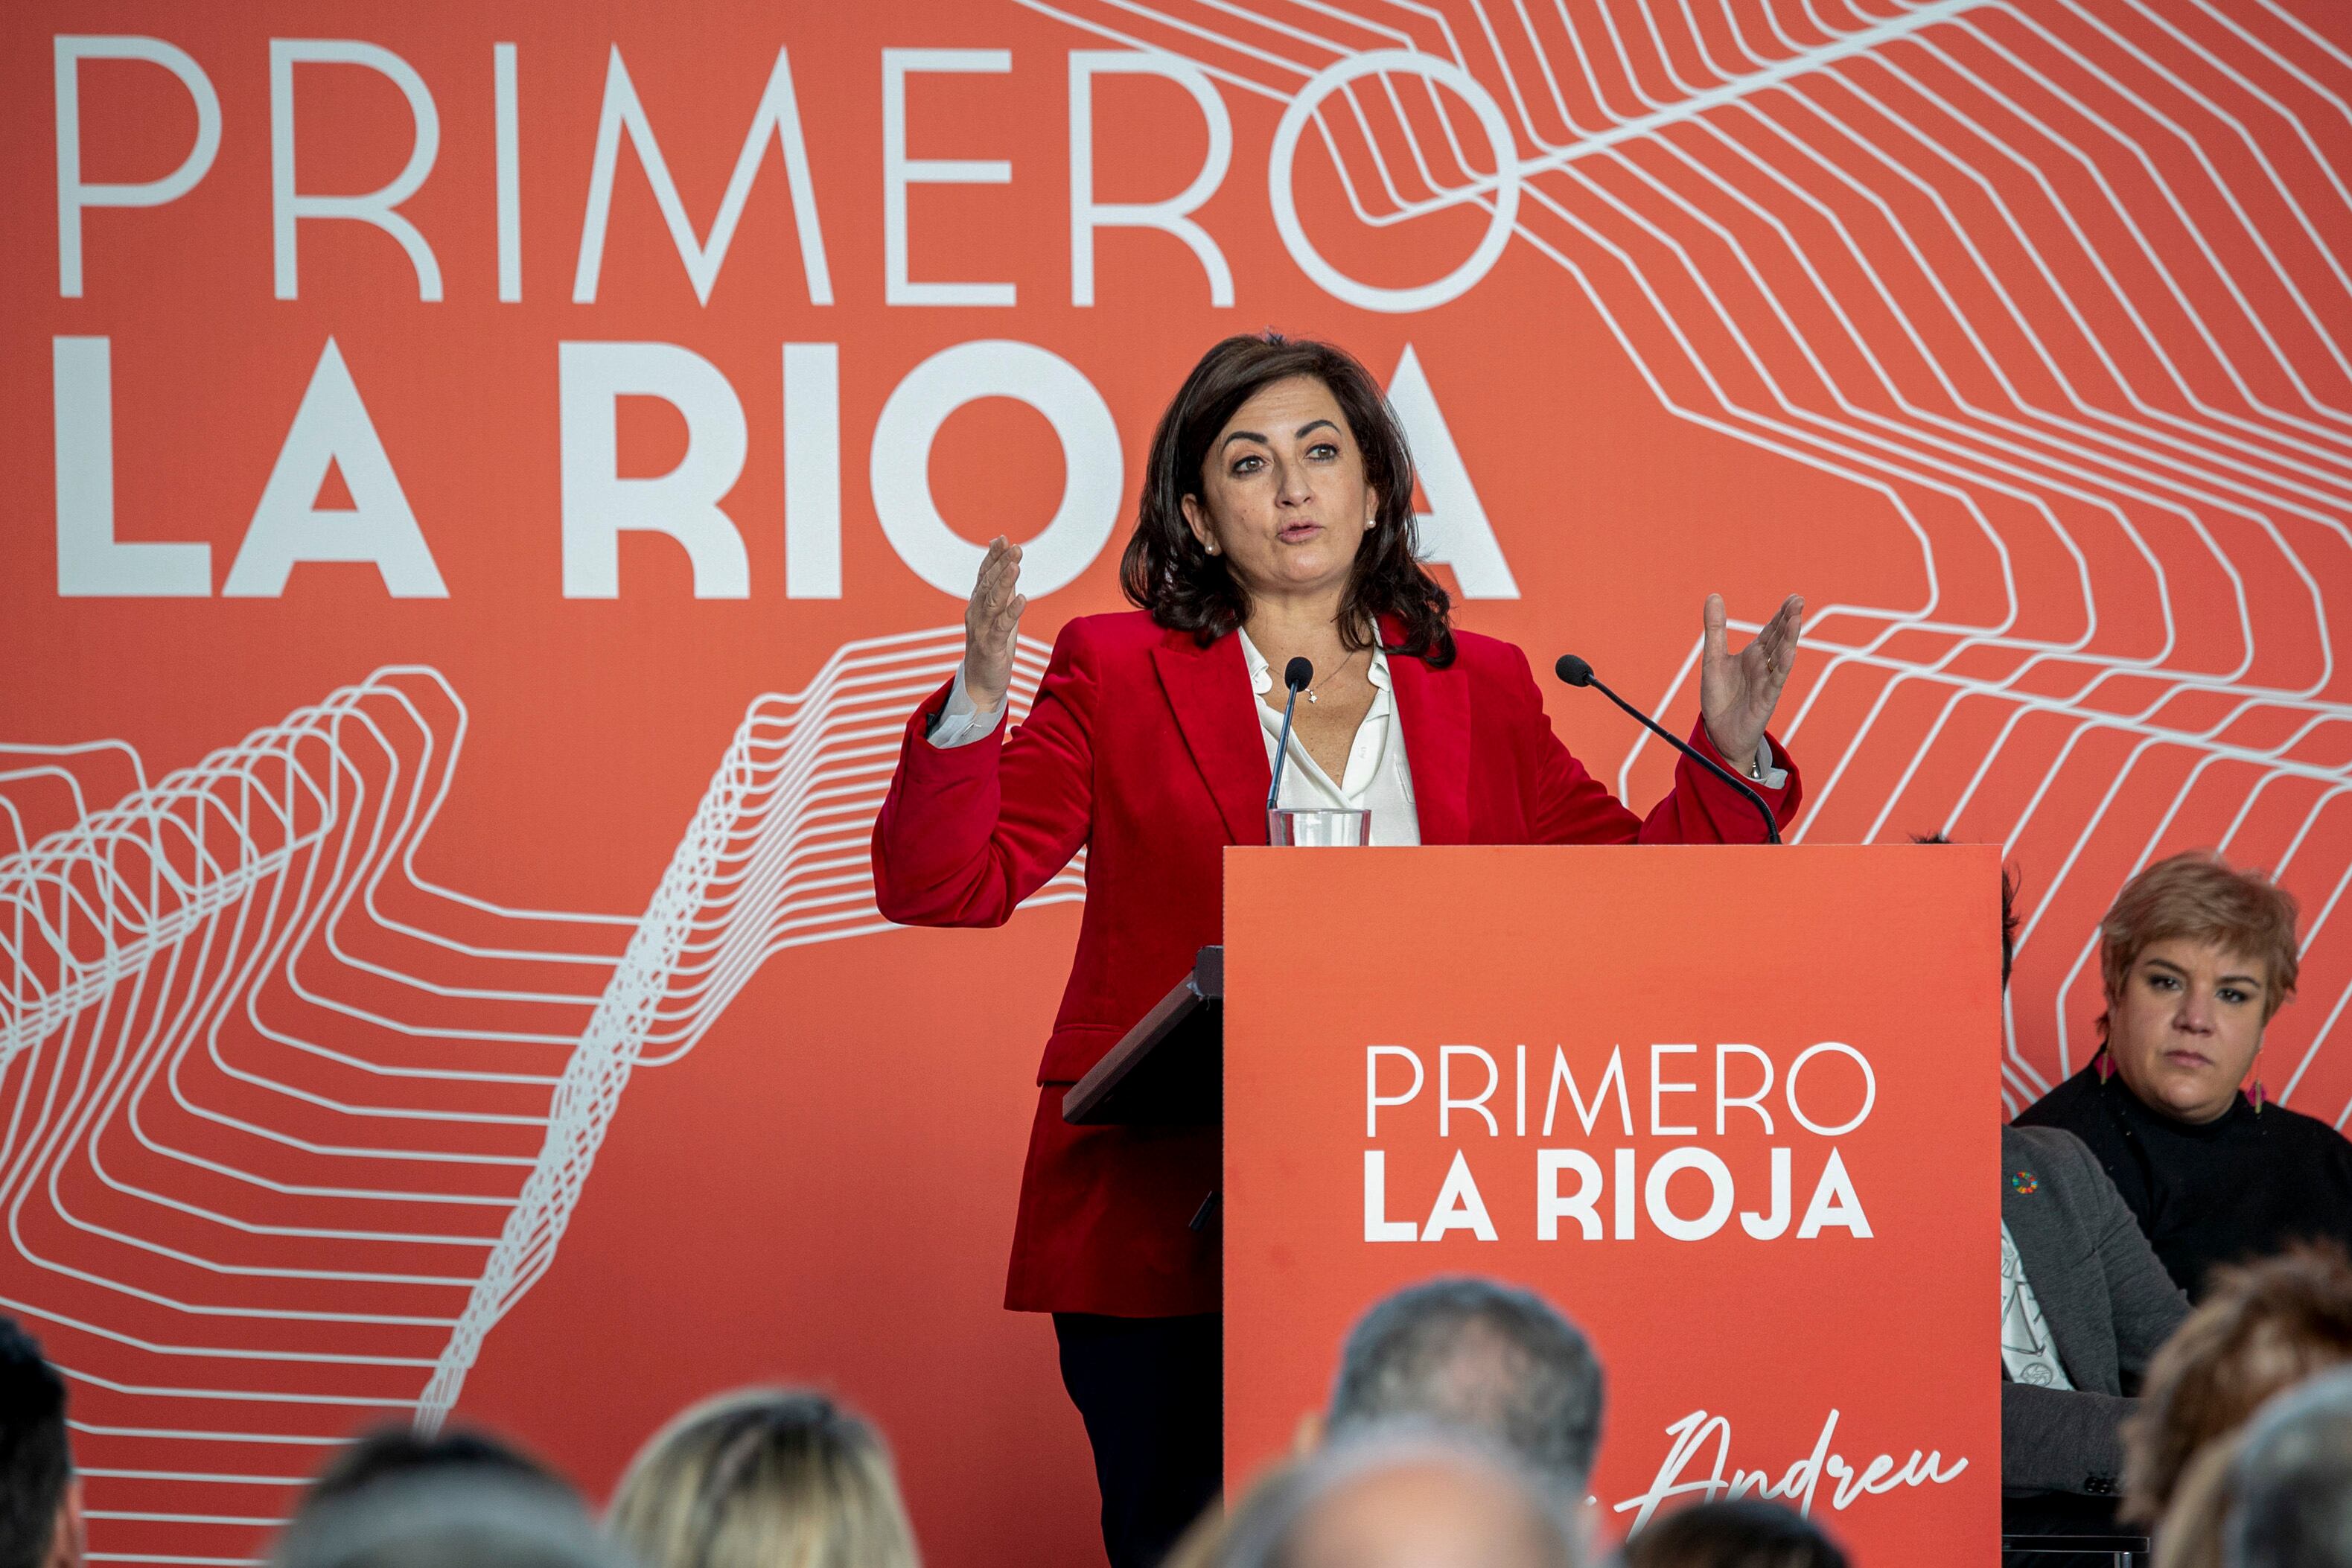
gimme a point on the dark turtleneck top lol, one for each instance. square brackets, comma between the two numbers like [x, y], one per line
[2243, 1185]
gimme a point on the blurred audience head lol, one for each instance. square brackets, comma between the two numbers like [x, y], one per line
[1406, 1493]
[1206, 1543]
[2291, 1479]
[393, 1451]
[2263, 1327]
[2196, 958]
[1744, 1532]
[40, 1502]
[764, 1478]
[1481, 1355]
[447, 1517]
[2190, 1534]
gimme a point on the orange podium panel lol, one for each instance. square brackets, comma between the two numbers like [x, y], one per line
[1735, 1110]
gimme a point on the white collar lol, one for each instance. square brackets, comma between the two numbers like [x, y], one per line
[1261, 673]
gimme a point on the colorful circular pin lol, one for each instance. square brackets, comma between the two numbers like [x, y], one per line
[2025, 1183]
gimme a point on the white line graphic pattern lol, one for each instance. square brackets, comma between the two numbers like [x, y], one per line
[175, 965]
[2052, 286]
[1945, 253]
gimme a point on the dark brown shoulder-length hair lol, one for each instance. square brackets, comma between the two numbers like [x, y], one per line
[1166, 571]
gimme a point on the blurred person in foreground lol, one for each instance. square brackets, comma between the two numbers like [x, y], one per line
[392, 1451]
[1475, 1353]
[447, 1517]
[2263, 1327]
[2292, 1480]
[1738, 1533]
[1460, 1351]
[2276, 1493]
[2189, 1535]
[40, 1496]
[1398, 1494]
[764, 1477]
[2197, 959]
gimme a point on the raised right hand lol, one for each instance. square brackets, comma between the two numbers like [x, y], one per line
[992, 625]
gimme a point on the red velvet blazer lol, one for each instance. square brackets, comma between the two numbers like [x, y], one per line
[1145, 748]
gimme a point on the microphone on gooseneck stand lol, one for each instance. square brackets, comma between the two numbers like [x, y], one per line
[1297, 675]
[1576, 672]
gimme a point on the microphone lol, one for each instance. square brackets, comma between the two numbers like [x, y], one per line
[1297, 675]
[1576, 672]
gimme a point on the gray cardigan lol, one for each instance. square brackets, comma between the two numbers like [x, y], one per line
[2108, 1303]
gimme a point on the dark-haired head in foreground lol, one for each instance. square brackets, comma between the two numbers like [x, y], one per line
[1743, 1533]
[447, 1517]
[403, 1451]
[40, 1506]
[1483, 1355]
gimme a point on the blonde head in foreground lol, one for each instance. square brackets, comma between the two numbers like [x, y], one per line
[764, 1478]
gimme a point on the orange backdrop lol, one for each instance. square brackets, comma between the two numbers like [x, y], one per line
[452, 657]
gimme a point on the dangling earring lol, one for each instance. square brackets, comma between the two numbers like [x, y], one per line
[2258, 1096]
[2103, 1064]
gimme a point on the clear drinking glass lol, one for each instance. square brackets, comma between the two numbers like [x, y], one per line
[1285, 824]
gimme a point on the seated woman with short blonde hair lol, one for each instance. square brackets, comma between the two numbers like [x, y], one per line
[2198, 958]
[764, 1477]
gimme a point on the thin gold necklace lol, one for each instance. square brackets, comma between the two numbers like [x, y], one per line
[1344, 663]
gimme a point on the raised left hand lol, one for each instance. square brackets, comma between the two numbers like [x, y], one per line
[1737, 693]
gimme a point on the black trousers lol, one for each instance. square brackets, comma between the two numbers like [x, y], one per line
[1151, 1390]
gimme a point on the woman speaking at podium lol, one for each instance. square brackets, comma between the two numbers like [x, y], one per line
[1276, 523]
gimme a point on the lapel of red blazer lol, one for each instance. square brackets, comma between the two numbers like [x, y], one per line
[1208, 689]
[1433, 710]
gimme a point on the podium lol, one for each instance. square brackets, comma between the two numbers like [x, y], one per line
[1735, 1110]
[1168, 1071]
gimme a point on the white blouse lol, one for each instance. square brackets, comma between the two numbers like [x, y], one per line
[1377, 778]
